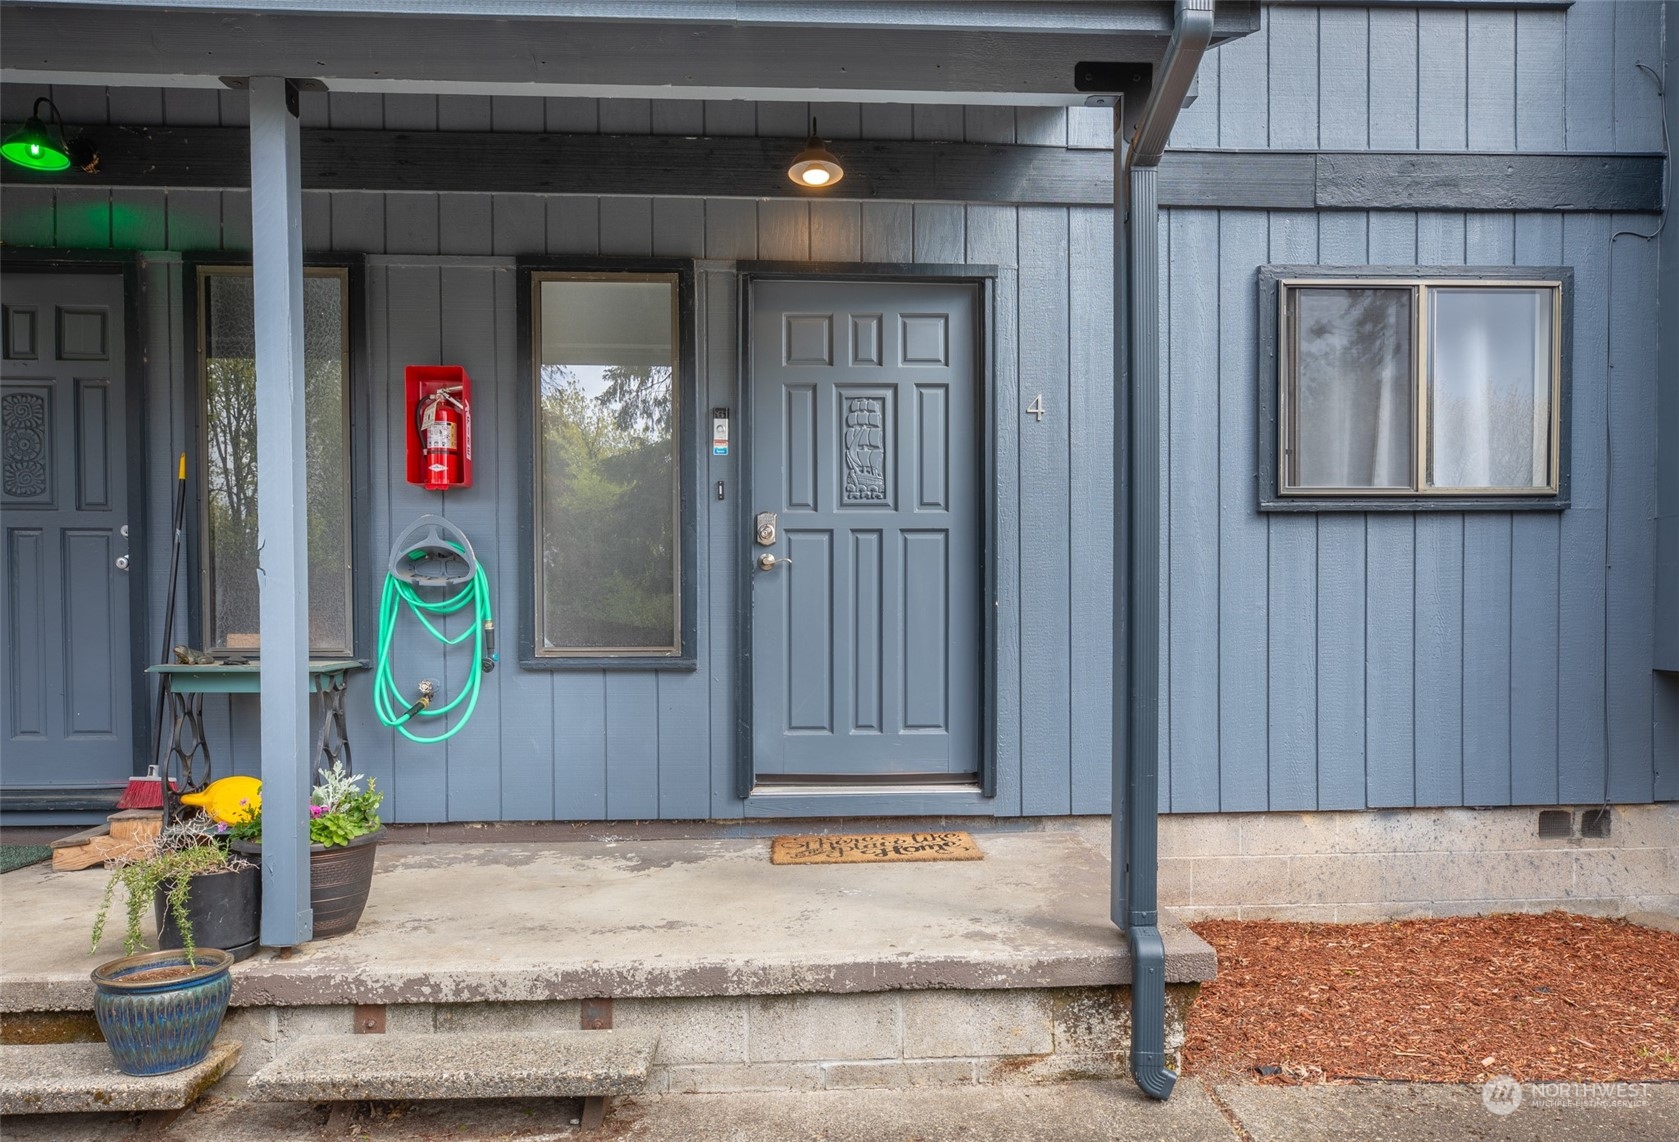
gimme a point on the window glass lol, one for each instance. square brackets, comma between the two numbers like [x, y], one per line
[607, 554]
[1428, 387]
[1351, 406]
[1489, 397]
[226, 322]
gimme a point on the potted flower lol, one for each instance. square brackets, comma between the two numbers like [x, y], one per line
[344, 833]
[160, 1011]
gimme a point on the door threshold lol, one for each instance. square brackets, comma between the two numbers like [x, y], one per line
[863, 788]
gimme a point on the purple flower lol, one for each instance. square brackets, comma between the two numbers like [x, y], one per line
[317, 810]
[221, 827]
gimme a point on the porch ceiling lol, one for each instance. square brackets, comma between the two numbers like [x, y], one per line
[857, 50]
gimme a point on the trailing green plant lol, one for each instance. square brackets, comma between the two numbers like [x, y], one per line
[184, 850]
[340, 810]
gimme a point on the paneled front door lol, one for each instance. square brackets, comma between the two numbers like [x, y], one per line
[865, 616]
[68, 716]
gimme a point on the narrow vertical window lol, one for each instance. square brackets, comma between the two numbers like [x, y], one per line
[608, 557]
[227, 356]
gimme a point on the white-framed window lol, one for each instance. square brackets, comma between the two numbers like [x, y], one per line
[611, 517]
[226, 328]
[1406, 387]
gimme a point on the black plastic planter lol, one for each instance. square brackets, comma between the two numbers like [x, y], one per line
[224, 908]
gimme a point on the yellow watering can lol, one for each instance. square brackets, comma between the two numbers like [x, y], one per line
[228, 800]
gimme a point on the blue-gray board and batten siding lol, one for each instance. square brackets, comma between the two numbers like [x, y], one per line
[1336, 661]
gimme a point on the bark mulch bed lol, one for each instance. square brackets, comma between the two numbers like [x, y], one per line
[1555, 997]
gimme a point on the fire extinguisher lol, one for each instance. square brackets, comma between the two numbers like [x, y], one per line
[441, 419]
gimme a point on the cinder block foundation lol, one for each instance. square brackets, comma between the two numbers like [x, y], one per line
[891, 1040]
[1397, 863]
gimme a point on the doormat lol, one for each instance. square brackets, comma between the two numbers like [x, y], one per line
[20, 856]
[874, 848]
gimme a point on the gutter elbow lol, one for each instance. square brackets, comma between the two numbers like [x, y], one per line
[1148, 1013]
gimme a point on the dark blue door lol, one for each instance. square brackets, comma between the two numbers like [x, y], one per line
[866, 629]
[68, 716]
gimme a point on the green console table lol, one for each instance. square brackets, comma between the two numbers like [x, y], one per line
[187, 684]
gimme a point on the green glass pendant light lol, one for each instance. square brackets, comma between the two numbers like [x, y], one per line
[38, 147]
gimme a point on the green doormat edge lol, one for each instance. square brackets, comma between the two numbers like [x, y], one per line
[20, 856]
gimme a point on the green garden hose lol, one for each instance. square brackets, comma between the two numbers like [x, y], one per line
[388, 700]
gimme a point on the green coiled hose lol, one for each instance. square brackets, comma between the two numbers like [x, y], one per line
[393, 708]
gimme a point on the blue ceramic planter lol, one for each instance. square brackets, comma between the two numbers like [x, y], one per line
[152, 1025]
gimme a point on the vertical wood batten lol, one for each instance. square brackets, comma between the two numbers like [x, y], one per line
[1344, 239]
[1291, 104]
[1344, 103]
[468, 338]
[1442, 80]
[1291, 603]
[1191, 583]
[1630, 414]
[1492, 95]
[1589, 109]
[415, 318]
[1045, 617]
[1091, 457]
[525, 740]
[1244, 573]
[1582, 540]
[1393, 72]
[1637, 94]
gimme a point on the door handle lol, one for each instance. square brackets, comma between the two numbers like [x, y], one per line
[768, 562]
[122, 563]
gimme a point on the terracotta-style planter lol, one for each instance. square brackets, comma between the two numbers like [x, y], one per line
[339, 880]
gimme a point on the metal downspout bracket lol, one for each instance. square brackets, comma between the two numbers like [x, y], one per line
[1137, 510]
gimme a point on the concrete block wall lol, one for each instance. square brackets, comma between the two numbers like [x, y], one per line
[894, 1040]
[1396, 863]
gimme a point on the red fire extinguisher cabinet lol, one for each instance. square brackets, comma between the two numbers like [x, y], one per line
[420, 382]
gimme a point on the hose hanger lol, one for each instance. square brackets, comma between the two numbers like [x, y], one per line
[433, 552]
[433, 573]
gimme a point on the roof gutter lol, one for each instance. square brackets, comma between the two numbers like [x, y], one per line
[1137, 614]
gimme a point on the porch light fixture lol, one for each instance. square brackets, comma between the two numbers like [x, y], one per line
[815, 165]
[40, 148]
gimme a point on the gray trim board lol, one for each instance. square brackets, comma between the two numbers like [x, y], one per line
[1265, 468]
[897, 170]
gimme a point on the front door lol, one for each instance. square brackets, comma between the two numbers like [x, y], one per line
[68, 715]
[865, 601]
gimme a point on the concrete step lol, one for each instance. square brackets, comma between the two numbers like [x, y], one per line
[56, 1078]
[553, 1064]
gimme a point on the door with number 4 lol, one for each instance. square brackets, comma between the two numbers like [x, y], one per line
[865, 544]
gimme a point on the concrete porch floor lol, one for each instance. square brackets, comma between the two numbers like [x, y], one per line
[696, 916]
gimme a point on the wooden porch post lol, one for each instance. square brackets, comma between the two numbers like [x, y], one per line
[282, 541]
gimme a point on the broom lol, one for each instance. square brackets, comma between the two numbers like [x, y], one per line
[147, 792]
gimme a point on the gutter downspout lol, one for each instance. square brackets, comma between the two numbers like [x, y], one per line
[1136, 826]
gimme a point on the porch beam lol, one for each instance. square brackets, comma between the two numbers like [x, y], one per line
[800, 52]
[282, 537]
[902, 171]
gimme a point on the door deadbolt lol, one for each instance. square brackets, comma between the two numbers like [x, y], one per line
[764, 529]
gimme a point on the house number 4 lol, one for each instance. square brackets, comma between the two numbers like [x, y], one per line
[1036, 408]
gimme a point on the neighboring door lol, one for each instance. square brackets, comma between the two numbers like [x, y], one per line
[865, 608]
[68, 717]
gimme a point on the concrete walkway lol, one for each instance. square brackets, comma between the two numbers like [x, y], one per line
[1066, 1112]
